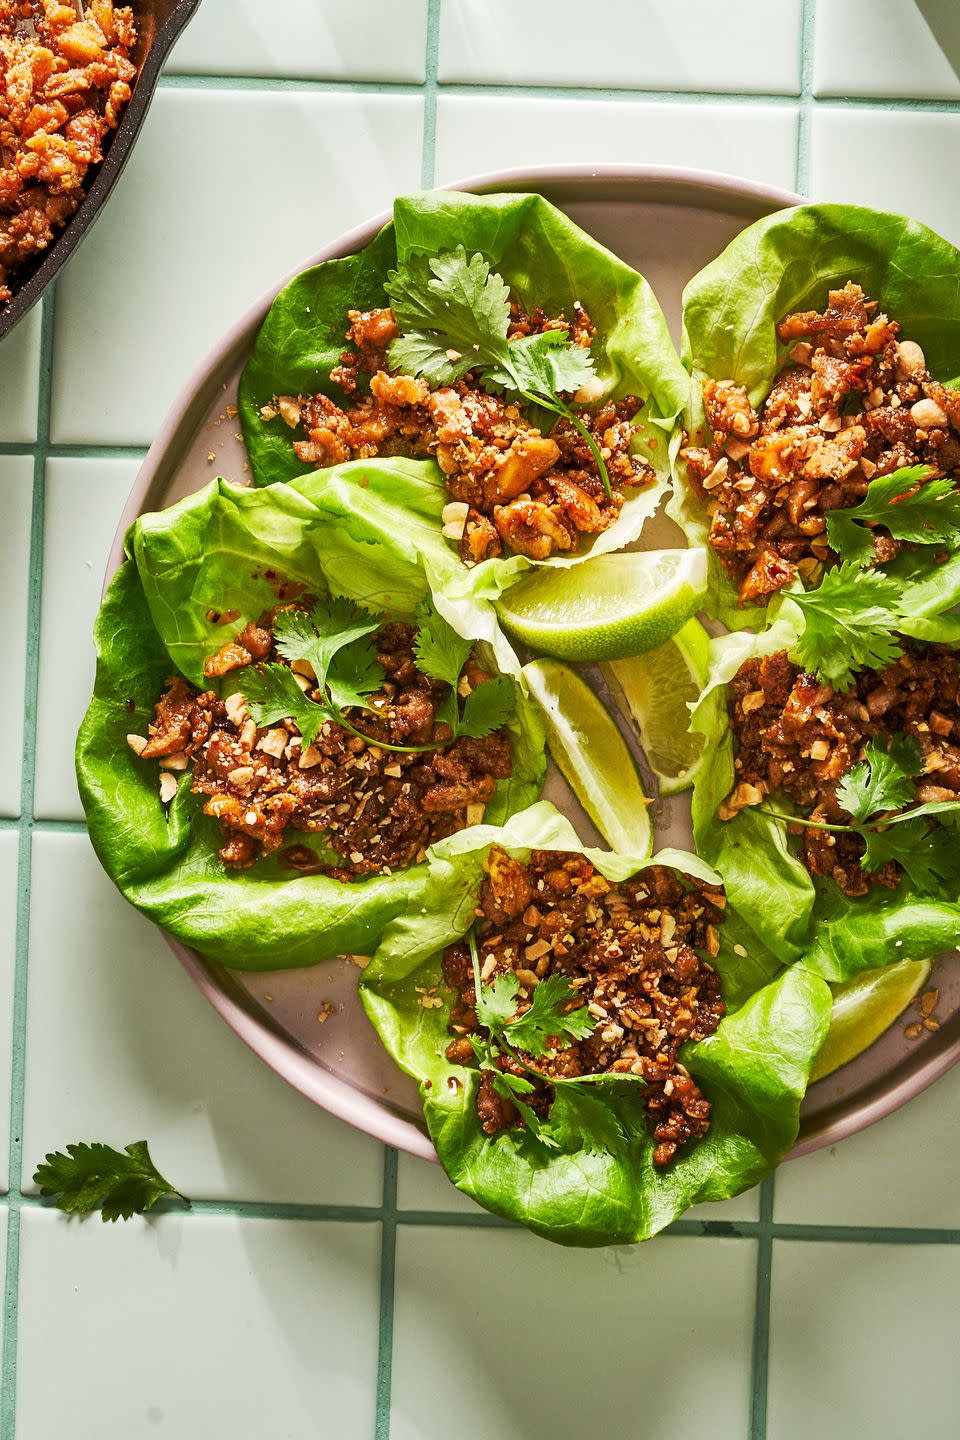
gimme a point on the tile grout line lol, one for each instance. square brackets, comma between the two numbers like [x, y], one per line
[752, 1230]
[278, 84]
[808, 25]
[761, 1316]
[428, 164]
[388, 1267]
[24, 861]
[77, 452]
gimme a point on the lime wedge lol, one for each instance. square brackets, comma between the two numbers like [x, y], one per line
[592, 756]
[606, 608]
[864, 1007]
[652, 690]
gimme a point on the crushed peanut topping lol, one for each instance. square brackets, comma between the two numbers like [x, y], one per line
[851, 403]
[805, 737]
[513, 487]
[374, 810]
[649, 995]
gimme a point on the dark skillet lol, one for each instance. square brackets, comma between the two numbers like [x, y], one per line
[159, 22]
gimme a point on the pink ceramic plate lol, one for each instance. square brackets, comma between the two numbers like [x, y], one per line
[668, 224]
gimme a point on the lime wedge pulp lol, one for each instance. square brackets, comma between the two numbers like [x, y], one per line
[606, 608]
[865, 1007]
[592, 756]
[653, 691]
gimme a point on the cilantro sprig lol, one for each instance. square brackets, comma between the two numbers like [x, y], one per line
[878, 794]
[118, 1183]
[548, 1023]
[907, 505]
[454, 312]
[334, 640]
[850, 622]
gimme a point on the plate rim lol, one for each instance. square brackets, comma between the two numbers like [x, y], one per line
[279, 1050]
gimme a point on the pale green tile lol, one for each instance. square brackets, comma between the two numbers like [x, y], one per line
[9, 847]
[121, 1045]
[83, 500]
[499, 1333]
[642, 47]
[485, 132]
[905, 1170]
[894, 160]
[16, 507]
[863, 1342]
[196, 1327]
[19, 381]
[226, 192]
[325, 39]
[424, 1186]
[887, 48]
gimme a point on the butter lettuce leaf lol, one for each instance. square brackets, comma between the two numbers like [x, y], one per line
[597, 1185]
[801, 920]
[234, 551]
[787, 262]
[546, 260]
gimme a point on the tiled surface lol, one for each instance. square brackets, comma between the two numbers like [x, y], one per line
[242, 167]
[863, 1341]
[16, 505]
[276, 127]
[903, 1172]
[365, 40]
[895, 160]
[152, 1058]
[477, 133]
[887, 48]
[196, 1327]
[8, 931]
[19, 378]
[82, 504]
[462, 1295]
[759, 52]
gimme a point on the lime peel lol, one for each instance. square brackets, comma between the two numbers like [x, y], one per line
[592, 756]
[864, 1008]
[653, 691]
[608, 607]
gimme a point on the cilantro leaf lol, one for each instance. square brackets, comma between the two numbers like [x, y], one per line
[120, 1183]
[883, 780]
[317, 637]
[272, 694]
[487, 708]
[924, 513]
[440, 652]
[497, 1003]
[355, 674]
[930, 857]
[579, 1119]
[454, 312]
[545, 1020]
[511, 1087]
[537, 1029]
[545, 364]
[849, 623]
[851, 541]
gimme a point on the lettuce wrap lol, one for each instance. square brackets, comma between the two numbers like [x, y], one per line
[801, 918]
[227, 550]
[787, 262]
[600, 1186]
[546, 260]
